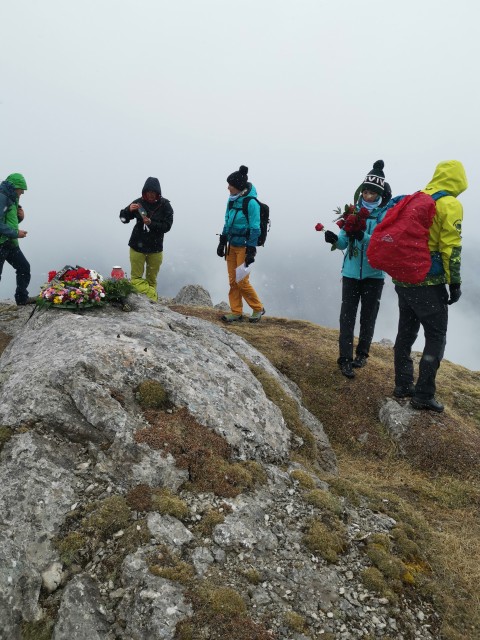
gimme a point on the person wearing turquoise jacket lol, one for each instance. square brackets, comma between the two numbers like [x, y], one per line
[238, 244]
[360, 282]
[11, 214]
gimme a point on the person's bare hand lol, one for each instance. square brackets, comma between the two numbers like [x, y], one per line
[20, 213]
[22, 233]
[134, 206]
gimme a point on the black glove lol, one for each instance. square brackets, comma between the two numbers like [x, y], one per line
[221, 246]
[250, 255]
[455, 293]
[330, 237]
[356, 235]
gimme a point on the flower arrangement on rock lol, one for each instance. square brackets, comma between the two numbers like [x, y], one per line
[72, 288]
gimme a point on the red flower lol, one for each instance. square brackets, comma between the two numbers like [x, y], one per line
[76, 274]
[341, 223]
[51, 275]
[319, 226]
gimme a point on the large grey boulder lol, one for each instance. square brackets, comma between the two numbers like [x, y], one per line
[70, 380]
[193, 294]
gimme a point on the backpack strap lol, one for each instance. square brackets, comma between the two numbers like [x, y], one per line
[245, 203]
[439, 194]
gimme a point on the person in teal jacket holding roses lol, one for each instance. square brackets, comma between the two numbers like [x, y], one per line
[360, 282]
[11, 214]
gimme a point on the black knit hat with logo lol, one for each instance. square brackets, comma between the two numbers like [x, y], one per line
[239, 179]
[375, 179]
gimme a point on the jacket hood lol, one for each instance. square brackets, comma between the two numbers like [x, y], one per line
[152, 184]
[17, 180]
[449, 176]
[251, 191]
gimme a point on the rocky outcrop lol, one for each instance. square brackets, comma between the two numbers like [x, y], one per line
[70, 398]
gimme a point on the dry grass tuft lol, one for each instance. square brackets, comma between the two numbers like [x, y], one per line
[167, 503]
[326, 540]
[139, 498]
[4, 340]
[152, 395]
[166, 564]
[323, 500]
[5, 434]
[219, 613]
[205, 454]
[444, 444]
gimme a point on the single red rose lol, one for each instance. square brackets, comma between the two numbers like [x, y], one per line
[364, 213]
[51, 275]
[319, 226]
[340, 223]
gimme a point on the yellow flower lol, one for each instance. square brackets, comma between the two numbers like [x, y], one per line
[57, 300]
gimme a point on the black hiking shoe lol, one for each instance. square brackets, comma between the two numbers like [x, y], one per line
[27, 301]
[401, 391]
[347, 369]
[429, 404]
[359, 362]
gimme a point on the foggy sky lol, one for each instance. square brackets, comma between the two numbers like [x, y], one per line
[97, 96]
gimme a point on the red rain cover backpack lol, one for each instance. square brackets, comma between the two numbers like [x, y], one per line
[399, 243]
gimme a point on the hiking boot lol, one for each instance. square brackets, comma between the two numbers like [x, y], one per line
[359, 362]
[27, 301]
[430, 404]
[232, 317]
[257, 315]
[346, 369]
[401, 391]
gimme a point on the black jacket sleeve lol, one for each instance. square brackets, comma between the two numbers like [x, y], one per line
[126, 215]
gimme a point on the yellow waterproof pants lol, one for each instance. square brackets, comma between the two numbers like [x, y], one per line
[150, 262]
[243, 289]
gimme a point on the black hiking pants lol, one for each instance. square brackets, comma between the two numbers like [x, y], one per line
[368, 292]
[13, 255]
[426, 306]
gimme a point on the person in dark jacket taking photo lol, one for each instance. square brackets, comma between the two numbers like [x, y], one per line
[153, 217]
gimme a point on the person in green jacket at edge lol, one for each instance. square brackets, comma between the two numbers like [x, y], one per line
[11, 214]
[427, 303]
[154, 218]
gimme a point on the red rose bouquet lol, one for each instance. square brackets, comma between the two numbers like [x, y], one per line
[351, 219]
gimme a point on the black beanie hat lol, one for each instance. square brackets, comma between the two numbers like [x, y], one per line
[239, 179]
[375, 179]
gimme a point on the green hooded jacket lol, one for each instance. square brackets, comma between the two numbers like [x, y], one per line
[9, 207]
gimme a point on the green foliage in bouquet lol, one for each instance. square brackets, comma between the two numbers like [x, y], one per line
[117, 290]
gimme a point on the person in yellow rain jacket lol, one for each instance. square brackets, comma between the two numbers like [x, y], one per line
[427, 303]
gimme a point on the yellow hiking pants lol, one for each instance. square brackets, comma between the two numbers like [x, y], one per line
[150, 262]
[243, 289]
